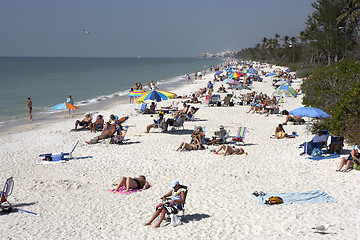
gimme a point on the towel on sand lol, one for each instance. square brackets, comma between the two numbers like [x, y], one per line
[322, 157]
[122, 190]
[316, 196]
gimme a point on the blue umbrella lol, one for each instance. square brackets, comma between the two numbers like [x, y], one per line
[287, 70]
[310, 112]
[218, 72]
[270, 74]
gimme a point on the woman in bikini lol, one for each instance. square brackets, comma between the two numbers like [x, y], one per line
[132, 183]
[230, 150]
[194, 145]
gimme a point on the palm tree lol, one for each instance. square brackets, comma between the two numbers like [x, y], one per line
[286, 40]
[351, 14]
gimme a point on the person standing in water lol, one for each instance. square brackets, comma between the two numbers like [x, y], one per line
[70, 101]
[29, 106]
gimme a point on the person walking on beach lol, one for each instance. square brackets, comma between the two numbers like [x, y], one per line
[29, 106]
[70, 101]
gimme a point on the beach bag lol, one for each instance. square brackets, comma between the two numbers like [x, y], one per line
[356, 166]
[274, 200]
[316, 152]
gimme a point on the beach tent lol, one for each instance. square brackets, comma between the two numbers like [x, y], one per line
[285, 90]
[156, 95]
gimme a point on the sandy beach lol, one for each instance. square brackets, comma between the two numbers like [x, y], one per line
[72, 201]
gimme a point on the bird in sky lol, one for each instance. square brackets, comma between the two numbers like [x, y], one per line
[86, 32]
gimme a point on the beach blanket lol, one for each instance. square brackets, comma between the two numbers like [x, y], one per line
[315, 196]
[322, 157]
[122, 190]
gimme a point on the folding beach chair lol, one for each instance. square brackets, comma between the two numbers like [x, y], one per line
[182, 209]
[142, 108]
[179, 122]
[58, 156]
[8, 187]
[192, 117]
[118, 139]
[240, 135]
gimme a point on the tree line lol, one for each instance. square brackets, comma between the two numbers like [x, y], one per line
[330, 35]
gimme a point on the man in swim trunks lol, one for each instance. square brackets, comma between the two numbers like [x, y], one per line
[98, 124]
[29, 106]
[105, 134]
[85, 122]
[132, 183]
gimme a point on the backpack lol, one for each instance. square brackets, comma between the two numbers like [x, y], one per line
[274, 200]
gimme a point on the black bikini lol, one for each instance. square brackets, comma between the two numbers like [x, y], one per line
[138, 183]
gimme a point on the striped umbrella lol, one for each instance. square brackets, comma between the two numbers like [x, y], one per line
[64, 106]
[136, 93]
[157, 95]
[236, 75]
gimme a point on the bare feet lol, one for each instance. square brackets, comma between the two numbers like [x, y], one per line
[157, 225]
[147, 224]
[88, 142]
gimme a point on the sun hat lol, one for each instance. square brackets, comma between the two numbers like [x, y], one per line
[174, 183]
[221, 126]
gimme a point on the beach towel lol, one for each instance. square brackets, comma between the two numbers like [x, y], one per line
[49, 162]
[122, 190]
[315, 196]
[322, 157]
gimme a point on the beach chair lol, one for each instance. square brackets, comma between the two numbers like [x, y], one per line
[142, 108]
[240, 136]
[192, 117]
[118, 139]
[214, 99]
[57, 156]
[7, 190]
[203, 138]
[332, 141]
[207, 99]
[182, 209]
[179, 122]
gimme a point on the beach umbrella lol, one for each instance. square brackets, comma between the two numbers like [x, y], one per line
[136, 93]
[270, 74]
[236, 75]
[65, 105]
[286, 89]
[287, 70]
[310, 112]
[156, 95]
[218, 72]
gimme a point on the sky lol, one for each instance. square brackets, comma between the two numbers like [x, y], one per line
[157, 28]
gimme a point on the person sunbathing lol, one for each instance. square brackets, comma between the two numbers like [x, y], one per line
[230, 150]
[197, 135]
[184, 110]
[291, 118]
[195, 144]
[105, 134]
[222, 89]
[157, 123]
[349, 162]
[191, 112]
[98, 124]
[194, 99]
[132, 183]
[200, 92]
[280, 132]
[177, 195]
[83, 123]
[336, 145]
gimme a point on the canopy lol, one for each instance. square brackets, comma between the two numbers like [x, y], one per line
[157, 95]
[64, 106]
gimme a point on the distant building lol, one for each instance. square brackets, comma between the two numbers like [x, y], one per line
[224, 54]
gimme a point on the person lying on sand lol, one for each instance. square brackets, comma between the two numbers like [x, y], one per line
[292, 118]
[230, 150]
[105, 134]
[177, 198]
[349, 162]
[132, 183]
[83, 123]
[98, 124]
[195, 143]
[201, 91]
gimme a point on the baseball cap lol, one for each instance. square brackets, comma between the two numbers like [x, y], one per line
[174, 183]
[221, 126]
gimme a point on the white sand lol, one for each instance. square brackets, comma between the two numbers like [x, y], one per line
[73, 204]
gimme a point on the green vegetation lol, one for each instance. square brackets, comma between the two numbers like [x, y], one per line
[336, 90]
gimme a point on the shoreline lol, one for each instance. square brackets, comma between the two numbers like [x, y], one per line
[219, 203]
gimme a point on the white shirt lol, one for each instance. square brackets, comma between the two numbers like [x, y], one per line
[317, 138]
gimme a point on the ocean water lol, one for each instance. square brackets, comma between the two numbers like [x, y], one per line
[49, 81]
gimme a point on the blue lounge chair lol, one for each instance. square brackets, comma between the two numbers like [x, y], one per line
[58, 156]
[8, 187]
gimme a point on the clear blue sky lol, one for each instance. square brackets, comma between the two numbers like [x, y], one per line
[157, 28]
